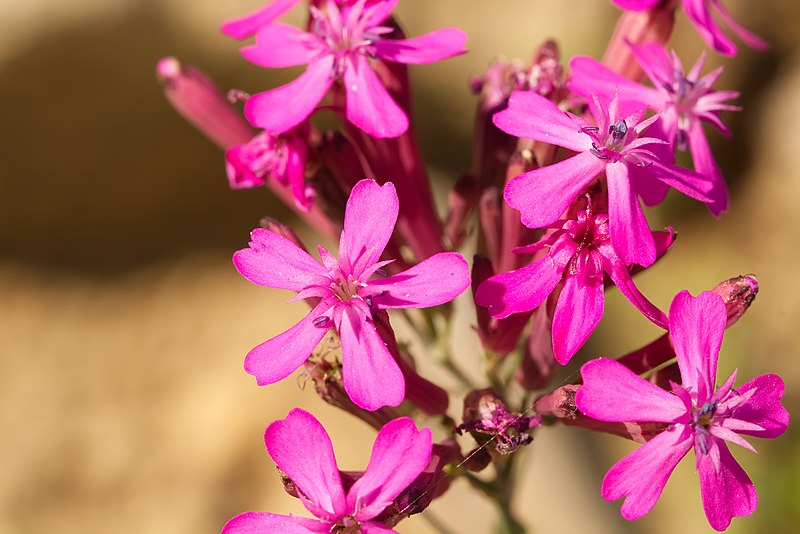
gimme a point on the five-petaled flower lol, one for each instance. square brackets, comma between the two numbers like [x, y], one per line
[302, 449]
[699, 12]
[699, 415]
[339, 46]
[683, 100]
[347, 295]
[579, 253]
[612, 145]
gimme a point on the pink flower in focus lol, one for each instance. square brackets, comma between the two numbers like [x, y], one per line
[303, 451]
[700, 13]
[339, 47]
[347, 296]
[282, 158]
[684, 102]
[700, 415]
[579, 253]
[632, 168]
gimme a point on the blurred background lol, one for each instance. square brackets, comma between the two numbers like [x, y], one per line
[123, 326]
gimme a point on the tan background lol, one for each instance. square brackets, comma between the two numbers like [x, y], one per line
[123, 405]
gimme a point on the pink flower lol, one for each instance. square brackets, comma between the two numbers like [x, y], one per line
[699, 415]
[684, 102]
[613, 145]
[699, 12]
[302, 450]
[579, 252]
[347, 296]
[339, 47]
[282, 158]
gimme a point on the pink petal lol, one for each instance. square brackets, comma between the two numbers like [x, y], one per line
[704, 163]
[281, 45]
[579, 309]
[532, 116]
[630, 234]
[688, 182]
[378, 11]
[437, 280]
[434, 46]
[612, 392]
[283, 108]
[640, 477]
[261, 522]
[699, 14]
[243, 27]
[274, 261]
[764, 408]
[369, 219]
[280, 356]
[369, 105]
[399, 455]
[696, 325]
[240, 175]
[655, 62]
[727, 492]
[589, 77]
[543, 194]
[302, 449]
[750, 39]
[621, 276]
[635, 5]
[372, 379]
[518, 291]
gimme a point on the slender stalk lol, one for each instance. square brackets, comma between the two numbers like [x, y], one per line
[436, 523]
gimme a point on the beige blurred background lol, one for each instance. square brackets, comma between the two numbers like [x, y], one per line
[123, 404]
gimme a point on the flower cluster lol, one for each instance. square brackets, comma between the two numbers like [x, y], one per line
[567, 157]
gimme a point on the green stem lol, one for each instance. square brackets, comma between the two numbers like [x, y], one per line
[436, 523]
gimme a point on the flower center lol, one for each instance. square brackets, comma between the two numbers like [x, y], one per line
[346, 287]
[347, 525]
[611, 146]
[343, 31]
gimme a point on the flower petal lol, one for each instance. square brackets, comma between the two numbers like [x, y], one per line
[622, 278]
[372, 378]
[630, 233]
[590, 77]
[434, 46]
[274, 261]
[727, 492]
[284, 107]
[699, 14]
[764, 408]
[705, 164]
[292, 443]
[369, 105]
[543, 194]
[518, 291]
[261, 522]
[369, 219]
[281, 45]
[579, 309]
[399, 455]
[277, 358]
[532, 116]
[640, 477]
[696, 325]
[243, 27]
[612, 392]
[437, 280]
[635, 5]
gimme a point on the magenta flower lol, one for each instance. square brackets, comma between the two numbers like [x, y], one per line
[613, 145]
[579, 253]
[684, 102]
[282, 158]
[339, 47]
[699, 415]
[699, 12]
[302, 450]
[347, 296]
